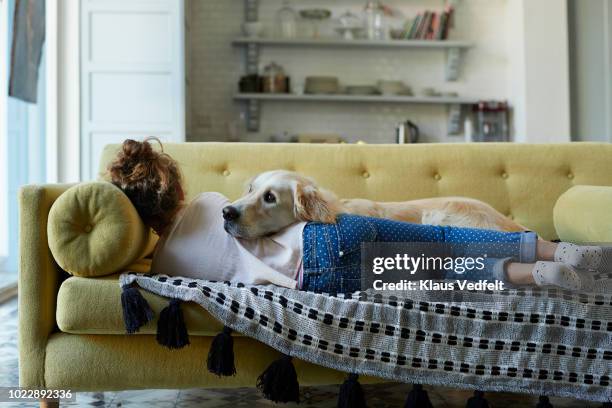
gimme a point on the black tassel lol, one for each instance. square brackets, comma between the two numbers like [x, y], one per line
[544, 402]
[136, 310]
[607, 405]
[279, 382]
[418, 398]
[221, 354]
[351, 393]
[171, 330]
[477, 401]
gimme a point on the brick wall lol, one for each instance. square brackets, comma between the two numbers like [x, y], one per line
[215, 67]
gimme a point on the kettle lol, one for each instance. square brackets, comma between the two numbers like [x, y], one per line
[407, 132]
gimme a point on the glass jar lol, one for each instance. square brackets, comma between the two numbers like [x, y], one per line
[286, 21]
[349, 26]
[374, 20]
[274, 79]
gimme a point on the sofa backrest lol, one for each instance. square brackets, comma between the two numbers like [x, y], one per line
[522, 181]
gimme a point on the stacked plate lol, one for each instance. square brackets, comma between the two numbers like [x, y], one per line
[321, 85]
[390, 88]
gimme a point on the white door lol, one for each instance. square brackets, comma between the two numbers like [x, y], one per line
[132, 74]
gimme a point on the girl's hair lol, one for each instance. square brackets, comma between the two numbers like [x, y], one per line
[152, 181]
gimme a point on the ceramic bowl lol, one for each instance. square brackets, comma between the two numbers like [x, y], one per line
[252, 28]
[315, 14]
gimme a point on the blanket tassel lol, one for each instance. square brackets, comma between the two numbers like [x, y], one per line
[279, 382]
[351, 393]
[477, 401]
[221, 354]
[136, 310]
[171, 329]
[418, 398]
[544, 402]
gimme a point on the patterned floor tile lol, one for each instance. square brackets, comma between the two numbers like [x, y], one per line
[378, 396]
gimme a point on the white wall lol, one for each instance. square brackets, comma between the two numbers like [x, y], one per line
[68, 91]
[539, 75]
[591, 62]
[517, 45]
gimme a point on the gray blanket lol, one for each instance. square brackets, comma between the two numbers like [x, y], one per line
[536, 341]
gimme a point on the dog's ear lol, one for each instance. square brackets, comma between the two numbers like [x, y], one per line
[309, 204]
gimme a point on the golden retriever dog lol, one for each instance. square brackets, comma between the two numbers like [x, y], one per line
[276, 199]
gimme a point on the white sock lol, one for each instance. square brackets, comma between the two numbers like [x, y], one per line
[562, 275]
[592, 257]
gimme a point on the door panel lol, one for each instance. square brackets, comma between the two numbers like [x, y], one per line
[132, 74]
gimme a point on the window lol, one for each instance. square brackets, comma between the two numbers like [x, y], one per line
[22, 147]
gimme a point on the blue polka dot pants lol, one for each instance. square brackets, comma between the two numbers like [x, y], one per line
[332, 252]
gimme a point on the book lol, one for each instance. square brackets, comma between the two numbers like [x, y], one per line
[415, 24]
[439, 33]
[421, 29]
[435, 20]
[449, 21]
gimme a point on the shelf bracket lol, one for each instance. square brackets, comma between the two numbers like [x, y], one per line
[453, 62]
[252, 59]
[253, 112]
[454, 119]
[251, 11]
[251, 8]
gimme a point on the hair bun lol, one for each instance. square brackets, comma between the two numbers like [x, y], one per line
[151, 179]
[135, 150]
[138, 162]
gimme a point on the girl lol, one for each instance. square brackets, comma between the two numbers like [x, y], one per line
[315, 256]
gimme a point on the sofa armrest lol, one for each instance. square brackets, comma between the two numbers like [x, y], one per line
[38, 281]
[583, 214]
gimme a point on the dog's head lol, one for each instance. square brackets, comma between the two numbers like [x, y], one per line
[276, 199]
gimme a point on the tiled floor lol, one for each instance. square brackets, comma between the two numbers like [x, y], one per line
[378, 396]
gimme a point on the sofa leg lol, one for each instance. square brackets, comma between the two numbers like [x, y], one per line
[47, 403]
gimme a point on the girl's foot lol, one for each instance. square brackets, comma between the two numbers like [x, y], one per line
[594, 258]
[562, 275]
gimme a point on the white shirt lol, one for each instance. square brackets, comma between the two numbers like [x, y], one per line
[198, 246]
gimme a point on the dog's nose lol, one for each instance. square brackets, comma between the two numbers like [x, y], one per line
[230, 213]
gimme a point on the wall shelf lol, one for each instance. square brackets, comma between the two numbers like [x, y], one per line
[333, 42]
[454, 50]
[454, 103]
[443, 100]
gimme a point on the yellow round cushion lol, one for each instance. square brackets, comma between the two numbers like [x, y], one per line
[94, 230]
[583, 214]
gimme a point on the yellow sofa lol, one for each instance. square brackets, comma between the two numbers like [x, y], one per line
[71, 334]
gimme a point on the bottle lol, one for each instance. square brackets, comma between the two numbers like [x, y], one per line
[374, 20]
[468, 128]
[286, 21]
[400, 133]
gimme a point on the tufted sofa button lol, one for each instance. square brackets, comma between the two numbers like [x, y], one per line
[437, 177]
[226, 172]
[365, 174]
[570, 176]
[88, 228]
[504, 175]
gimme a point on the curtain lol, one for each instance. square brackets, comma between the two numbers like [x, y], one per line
[26, 49]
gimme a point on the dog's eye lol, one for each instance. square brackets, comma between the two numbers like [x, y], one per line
[269, 198]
